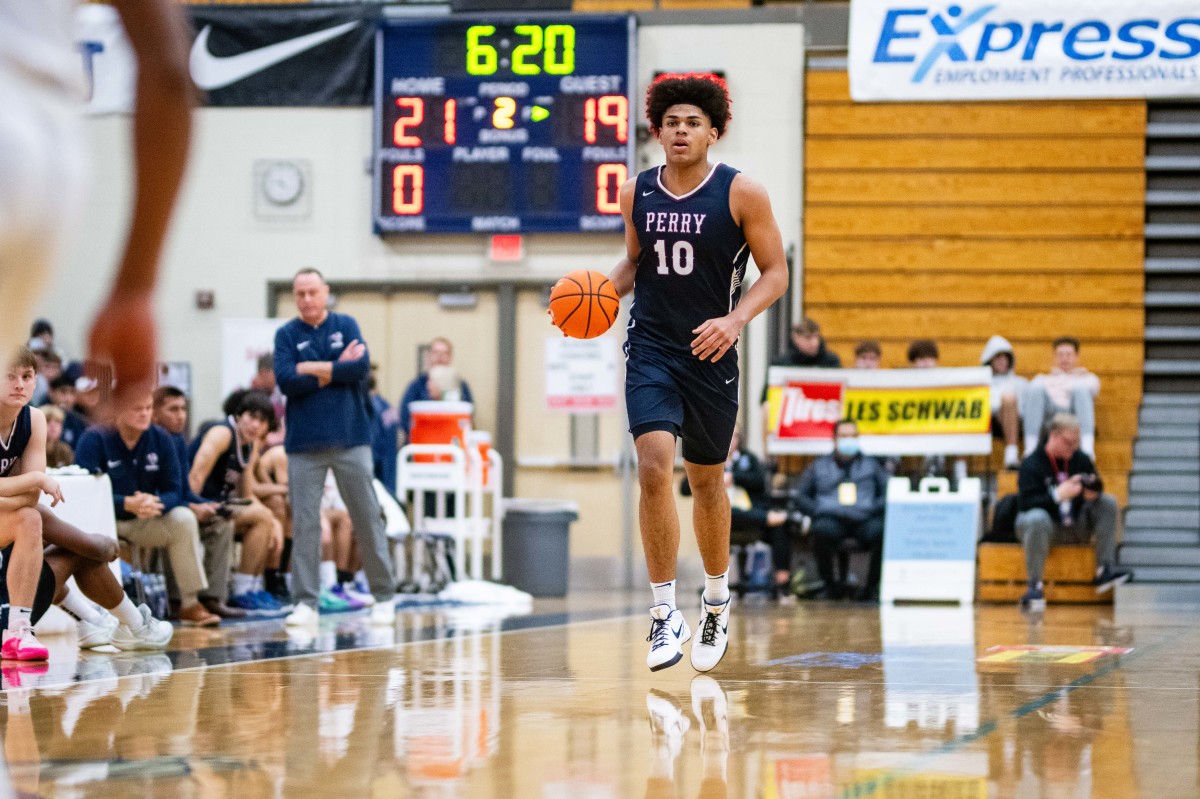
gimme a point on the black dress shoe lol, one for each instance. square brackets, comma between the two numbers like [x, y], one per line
[219, 608]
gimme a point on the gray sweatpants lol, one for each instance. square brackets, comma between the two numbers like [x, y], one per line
[1038, 408]
[353, 470]
[1037, 532]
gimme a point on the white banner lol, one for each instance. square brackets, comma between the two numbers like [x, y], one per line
[243, 342]
[106, 59]
[581, 374]
[1023, 49]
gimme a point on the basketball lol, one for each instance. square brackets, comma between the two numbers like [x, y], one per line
[584, 304]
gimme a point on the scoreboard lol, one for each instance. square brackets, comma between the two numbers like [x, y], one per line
[502, 124]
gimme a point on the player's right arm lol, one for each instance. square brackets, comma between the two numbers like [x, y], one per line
[622, 276]
[124, 329]
[215, 441]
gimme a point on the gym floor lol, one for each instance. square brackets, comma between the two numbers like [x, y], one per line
[812, 700]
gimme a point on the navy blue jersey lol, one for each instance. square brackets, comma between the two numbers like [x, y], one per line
[693, 258]
[226, 474]
[18, 438]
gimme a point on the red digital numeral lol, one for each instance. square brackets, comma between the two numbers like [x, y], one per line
[609, 179]
[410, 179]
[451, 127]
[400, 134]
[611, 110]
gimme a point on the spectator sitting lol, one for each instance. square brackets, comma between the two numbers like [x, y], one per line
[1069, 388]
[385, 426]
[750, 511]
[62, 394]
[808, 348]
[140, 460]
[271, 488]
[440, 353]
[264, 381]
[923, 354]
[845, 494]
[1008, 388]
[222, 472]
[1061, 502]
[58, 452]
[50, 366]
[41, 339]
[867, 355]
[87, 398]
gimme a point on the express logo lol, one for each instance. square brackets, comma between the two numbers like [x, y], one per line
[930, 37]
[809, 410]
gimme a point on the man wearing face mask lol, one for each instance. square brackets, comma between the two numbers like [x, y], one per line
[844, 494]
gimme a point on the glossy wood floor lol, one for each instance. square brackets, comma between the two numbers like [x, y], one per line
[813, 700]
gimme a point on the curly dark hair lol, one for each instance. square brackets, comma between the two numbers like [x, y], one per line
[704, 90]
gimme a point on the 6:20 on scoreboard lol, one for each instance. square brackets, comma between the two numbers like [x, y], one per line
[502, 124]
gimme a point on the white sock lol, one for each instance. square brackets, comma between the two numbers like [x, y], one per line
[328, 574]
[1030, 446]
[128, 614]
[242, 583]
[716, 589]
[664, 593]
[1088, 445]
[1010, 454]
[76, 604]
[260, 583]
[360, 578]
[18, 620]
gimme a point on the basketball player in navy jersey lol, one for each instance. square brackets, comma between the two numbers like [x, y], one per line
[690, 227]
[23, 480]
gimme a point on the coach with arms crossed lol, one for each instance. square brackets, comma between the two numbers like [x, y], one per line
[321, 365]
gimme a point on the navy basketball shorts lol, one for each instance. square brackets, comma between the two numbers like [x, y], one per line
[43, 598]
[684, 396]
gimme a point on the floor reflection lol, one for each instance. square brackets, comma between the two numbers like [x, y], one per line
[812, 701]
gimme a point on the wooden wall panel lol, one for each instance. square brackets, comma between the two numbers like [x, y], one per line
[952, 153]
[967, 289]
[986, 221]
[1008, 256]
[954, 221]
[975, 188]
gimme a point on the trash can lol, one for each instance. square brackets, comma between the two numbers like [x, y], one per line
[537, 538]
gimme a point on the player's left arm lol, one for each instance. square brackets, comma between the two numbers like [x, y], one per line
[751, 208]
[33, 459]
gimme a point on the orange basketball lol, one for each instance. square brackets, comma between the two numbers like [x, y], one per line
[584, 304]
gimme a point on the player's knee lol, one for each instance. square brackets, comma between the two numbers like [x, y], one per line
[655, 472]
[26, 527]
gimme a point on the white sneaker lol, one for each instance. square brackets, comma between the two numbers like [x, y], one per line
[668, 725]
[303, 616]
[89, 635]
[153, 634]
[714, 636]
[384, 614]
[668, 633]
[710, 706]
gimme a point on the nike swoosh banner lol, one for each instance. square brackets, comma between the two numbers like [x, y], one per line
[1023, 49]
[284, 56]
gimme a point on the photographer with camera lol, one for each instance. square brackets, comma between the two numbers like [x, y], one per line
[223, 463]
[1062, 501]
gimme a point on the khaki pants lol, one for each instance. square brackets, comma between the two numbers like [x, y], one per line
[217, 537]
[178, 533]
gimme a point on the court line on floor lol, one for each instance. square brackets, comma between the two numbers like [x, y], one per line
[869, 787]
[443, 632]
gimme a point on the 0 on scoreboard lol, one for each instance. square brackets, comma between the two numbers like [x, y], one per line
[502, 124]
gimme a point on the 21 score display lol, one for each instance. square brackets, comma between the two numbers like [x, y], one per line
[502, 125]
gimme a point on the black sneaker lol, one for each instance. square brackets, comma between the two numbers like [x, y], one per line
[1109, 578]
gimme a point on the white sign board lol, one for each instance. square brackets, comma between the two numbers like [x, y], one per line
[929, 541]
[581, 374]
[1023, 49]
[243, 341]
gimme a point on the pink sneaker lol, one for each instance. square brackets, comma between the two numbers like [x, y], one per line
[23, 646]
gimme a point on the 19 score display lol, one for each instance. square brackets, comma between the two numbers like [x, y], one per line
[502, 126]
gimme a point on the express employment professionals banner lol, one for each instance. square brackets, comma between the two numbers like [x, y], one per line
[1023, 49]
[899, 411]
